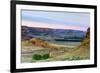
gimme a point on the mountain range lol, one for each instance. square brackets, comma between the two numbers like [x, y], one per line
[50, 34]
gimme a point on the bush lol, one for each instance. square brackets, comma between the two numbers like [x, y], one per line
[40, 57]
[45, 56]
[36, 57]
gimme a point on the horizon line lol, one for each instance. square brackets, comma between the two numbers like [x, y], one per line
[52, 28]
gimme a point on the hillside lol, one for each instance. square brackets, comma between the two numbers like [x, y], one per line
[82, 51]
[54, 42]
[49, 34]
[84, 48]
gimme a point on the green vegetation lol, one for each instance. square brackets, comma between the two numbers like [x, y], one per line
[40, 57]
[36, 57]
[45, 56]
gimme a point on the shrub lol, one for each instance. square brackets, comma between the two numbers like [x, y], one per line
[40, 57]
[45, 56]
[36, 57]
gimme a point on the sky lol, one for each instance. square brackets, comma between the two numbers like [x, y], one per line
[56, 19]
